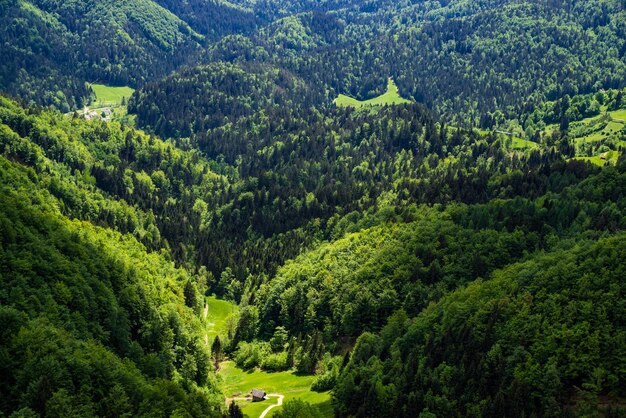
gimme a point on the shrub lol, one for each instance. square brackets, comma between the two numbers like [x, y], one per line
[276, 362]
[250, 355]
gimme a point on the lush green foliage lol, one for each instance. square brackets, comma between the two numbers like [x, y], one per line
[535, 337]
[50, 48]
[461, 262]
[93, 324]
[213, 18]
[297, 408]
[119, 178]
[202, 98]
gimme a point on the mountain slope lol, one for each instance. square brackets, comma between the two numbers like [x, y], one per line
[544, 337]
[92, 323]
[52, 47]
[466, 59]
[214, 18]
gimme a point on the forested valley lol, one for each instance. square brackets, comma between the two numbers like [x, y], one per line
[417, 208]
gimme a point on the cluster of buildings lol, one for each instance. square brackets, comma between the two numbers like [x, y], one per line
[105, 114]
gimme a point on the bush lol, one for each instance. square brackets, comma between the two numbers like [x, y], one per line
[328, 369]
[276, 362]
[250, 355]
[325, 381]
[297, 408]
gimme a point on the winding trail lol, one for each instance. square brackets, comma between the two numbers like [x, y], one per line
[269, 408]
[204, 315]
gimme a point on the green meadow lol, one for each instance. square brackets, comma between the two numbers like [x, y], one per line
[391, 97]
[235, 380]
[218, 317]
[619, 115]
[593, 160]
[293, 386]
[522, 144]
[108, 96]
[600, 136]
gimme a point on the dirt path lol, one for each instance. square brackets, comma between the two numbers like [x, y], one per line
[269, 408]
[236, 399]
[204, 315]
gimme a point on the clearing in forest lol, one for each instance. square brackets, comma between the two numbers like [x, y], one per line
[107, 96]
[219, 314]
[289, 384]
[391, 97]
[109, 104]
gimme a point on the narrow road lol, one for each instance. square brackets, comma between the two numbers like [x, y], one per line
[269, 408]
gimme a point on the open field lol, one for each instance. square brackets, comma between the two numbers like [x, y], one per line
[594, 160]
[218, 315]
[286, 383]
[107, 96]
[619, 114]
[519, 143]
[391, 97]
[611, 129]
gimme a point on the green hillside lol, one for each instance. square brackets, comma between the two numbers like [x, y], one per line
[500, 319]
[80, 302]
[52, 48]
[204, 197]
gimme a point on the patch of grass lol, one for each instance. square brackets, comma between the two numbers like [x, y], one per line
[287, 383]
[107, 96]
[218, 316]
[599, 135]
[522, 144]
[391, 97]
[597, 160]
[619, 114]
[610, 130]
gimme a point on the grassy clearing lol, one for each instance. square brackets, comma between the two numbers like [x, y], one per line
[609, 131]
[594, 160]
[609, 157]
[218, 316]
[287, 383]
[107, 96]
[521, 144]
[619, 114]
[391, 97]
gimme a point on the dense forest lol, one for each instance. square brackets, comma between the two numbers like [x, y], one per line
[51, 48]
[463, 60]
[93, 324]
[456, 252]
